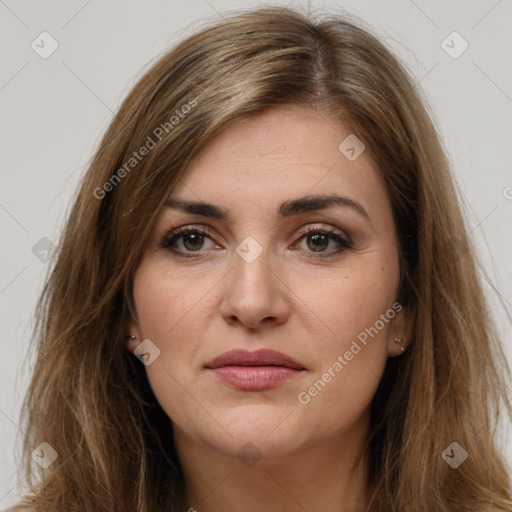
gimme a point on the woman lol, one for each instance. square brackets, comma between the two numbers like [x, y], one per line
[265, 297]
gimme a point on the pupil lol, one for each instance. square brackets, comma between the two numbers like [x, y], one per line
[319, 241]
[196, 241]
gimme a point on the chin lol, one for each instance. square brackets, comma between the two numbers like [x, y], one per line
[267, 430]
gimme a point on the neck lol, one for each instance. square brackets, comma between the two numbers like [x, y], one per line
[327, 475]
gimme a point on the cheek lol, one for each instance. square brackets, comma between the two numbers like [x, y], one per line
[165, 303]
[348, 303]
[355, 310]
[167, 307]
[174, 310]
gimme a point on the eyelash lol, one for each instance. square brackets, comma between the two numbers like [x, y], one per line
[172, 236]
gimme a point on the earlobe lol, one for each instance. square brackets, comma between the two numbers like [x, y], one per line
[132, 336]
[399, 341]
[131, 342]
[397, 346]
[400, 334]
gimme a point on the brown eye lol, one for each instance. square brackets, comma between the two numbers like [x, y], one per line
[321, 241]
[317, 241]
[192, 241]
[186, 240]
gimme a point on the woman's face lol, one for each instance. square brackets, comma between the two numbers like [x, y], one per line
[270, 261]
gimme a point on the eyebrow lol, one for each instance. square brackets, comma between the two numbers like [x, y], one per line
[286, 209]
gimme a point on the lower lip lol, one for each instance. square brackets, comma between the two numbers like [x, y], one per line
[254, 378]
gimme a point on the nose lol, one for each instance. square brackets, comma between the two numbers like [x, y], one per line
[254, 295]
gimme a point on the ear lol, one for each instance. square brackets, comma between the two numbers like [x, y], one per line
[133, 337]
[399, 332]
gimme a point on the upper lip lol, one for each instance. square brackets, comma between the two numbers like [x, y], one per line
[261, 357]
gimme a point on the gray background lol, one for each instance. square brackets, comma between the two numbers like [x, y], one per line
[54, 111]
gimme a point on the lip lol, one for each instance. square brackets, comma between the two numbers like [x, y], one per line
[254, 371]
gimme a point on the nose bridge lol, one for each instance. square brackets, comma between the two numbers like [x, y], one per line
[250, 276]
[253, 293]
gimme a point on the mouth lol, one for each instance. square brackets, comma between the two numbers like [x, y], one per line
[254, 371]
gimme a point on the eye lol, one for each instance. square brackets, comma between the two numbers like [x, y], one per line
[321, 240]
[187, 239]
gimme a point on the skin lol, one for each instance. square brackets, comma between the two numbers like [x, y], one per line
[309, 305]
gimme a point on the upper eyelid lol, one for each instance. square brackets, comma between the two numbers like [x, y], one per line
[206, 229]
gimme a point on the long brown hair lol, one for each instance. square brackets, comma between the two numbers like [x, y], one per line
[89, 398]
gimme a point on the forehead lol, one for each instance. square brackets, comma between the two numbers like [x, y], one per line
[277, 155]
